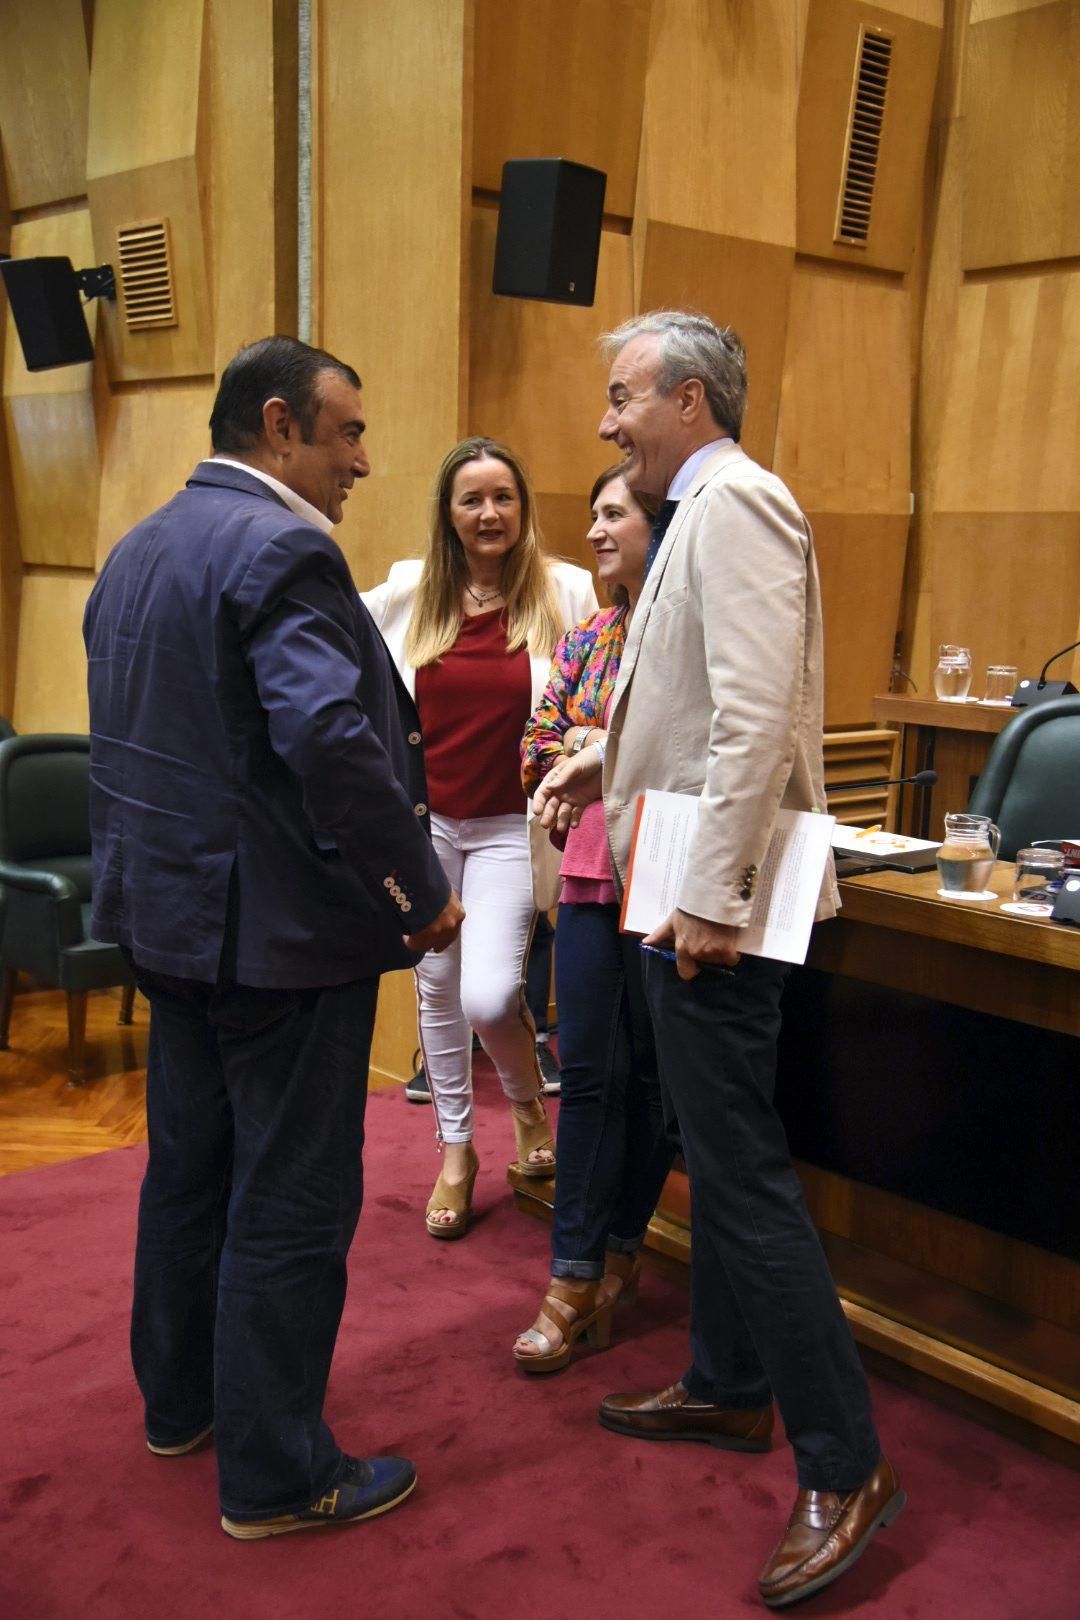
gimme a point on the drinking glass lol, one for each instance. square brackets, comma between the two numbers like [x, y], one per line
[966, 858]
[952, 677]
[1039, 876]
[1000, 684]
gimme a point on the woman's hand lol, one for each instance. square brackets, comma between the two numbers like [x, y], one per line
[567, 788]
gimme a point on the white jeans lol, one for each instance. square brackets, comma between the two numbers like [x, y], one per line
[477, 983]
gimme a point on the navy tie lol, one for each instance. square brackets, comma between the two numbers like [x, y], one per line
[660, 527]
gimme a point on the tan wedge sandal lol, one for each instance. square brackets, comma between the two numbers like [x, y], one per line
[569, 1309]
[457, 1198]
[622, 1274]
[533, 1136]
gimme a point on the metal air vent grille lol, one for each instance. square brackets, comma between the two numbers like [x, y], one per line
[865, 121]
[146, 280]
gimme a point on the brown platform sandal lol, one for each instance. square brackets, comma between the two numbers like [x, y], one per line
[622, 1274]
[457, 1198]
[533, 1136]
[565, 1296]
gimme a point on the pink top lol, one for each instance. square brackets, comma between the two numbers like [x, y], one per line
[586, 862]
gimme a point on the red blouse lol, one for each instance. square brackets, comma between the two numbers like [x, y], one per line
[473, 707]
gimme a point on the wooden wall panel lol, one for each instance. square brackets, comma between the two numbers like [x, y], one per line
[392, 165]
[720, 118]
[49, 415]
[151, 438]
[147, 158]
[393, 143]
[1010, 437]
[998, 538]
[844, 437]
[50, 690]
[536, 377]
[720, 105]
[1007, 585]
[825, 90]
[44, 84]
[565, 79]
[10, 560]
[738, 282]
[1022, 196]
[565, 520]
[253, 129]
[861, 563]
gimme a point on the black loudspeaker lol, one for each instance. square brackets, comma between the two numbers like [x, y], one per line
[550, 214]
[45, 302]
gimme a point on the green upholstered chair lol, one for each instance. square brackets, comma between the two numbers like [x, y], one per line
[1030, 785]
[45, 873]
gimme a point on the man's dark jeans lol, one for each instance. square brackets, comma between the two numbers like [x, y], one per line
[613, 1150]
[255, 1108]
[764, 1318]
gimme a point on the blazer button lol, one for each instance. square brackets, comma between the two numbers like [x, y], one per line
[395, 890]
[421, 808]
[744, 893]
[406, 905]
[414, 737]
[388, 883]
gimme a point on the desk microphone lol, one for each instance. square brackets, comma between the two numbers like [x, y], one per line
[920, 779]
[1042, 690]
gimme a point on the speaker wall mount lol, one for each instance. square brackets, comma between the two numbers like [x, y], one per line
[44, 294]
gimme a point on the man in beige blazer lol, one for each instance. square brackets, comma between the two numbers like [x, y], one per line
[720, 695]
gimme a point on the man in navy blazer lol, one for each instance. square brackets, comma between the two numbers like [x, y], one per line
[261, 850]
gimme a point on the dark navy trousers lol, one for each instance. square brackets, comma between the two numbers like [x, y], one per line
[613, 1150]
[255, 1109]
[765, 1320]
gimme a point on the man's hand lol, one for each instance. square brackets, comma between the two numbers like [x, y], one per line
[697, 942]
[567, 788]
[440, 934]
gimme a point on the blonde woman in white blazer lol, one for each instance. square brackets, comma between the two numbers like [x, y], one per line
[472, 628]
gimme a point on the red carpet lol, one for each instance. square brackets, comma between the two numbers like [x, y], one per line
[525, 1508]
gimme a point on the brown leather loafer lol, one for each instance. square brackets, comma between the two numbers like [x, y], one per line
[668, 1417]
[825, 1535]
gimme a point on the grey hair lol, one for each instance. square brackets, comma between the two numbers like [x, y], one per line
[692, 346]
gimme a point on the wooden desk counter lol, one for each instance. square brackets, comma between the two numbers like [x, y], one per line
[927, 1078]
[970, 953]
[952, 738]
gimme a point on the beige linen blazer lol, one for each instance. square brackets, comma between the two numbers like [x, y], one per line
[720, 688]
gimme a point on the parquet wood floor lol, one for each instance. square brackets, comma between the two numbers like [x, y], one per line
[43, 1119]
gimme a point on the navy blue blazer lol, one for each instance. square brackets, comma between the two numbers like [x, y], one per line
[257, 787]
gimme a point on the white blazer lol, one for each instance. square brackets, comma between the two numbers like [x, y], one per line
[390, 605]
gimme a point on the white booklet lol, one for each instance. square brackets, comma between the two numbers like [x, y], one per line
[787, 888]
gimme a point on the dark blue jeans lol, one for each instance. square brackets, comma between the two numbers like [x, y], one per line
[764, 1317]
[255, 1107]
[613, 1150]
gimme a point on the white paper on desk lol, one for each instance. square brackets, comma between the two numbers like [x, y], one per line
[788, 884]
